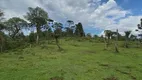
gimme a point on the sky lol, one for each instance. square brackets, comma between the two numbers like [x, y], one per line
[95, 15]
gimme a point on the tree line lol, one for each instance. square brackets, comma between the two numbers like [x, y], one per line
[41, 27]
[12, 35]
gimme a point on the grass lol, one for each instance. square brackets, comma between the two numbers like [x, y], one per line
[80, 60]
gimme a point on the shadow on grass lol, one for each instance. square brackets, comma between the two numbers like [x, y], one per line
[111, 78]
[57, 78]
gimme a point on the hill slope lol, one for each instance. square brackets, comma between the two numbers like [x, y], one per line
[80, 60]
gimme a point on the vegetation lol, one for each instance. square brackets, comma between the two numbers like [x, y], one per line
[38, 17]
[80, 60]
[55, 52]
[127, 33]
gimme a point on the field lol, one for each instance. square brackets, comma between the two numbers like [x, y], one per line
[80, 60]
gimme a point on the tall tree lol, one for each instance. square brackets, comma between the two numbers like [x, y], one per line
[70, 27]
[1, 15]
[141, 22]
[15, 25]
[57, 32]
[51, 23]
[116, 42]
[1, 18]
[138, 29]
[70, 23]
[79, 30]
[127, 33]
[108, 35]
[1, 33]
[58, 28]
[38, 17]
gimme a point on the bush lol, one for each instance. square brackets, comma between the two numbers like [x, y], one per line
[32, 37]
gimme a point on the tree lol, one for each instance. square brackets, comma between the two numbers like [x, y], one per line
[1, 15]
[127, 33]
[14, 26]
[47, 34]
[108, 34]
[116, 42]
[79, 30]
[57, 32]
[38, 17]
[1, 18]
[88, 35]
[141, 22]
[58, 28]
[70, 22]
[1, 33]
[50, 31]
[32, 37]
[70, 28]
[69, 31]
[2, 41]
[139, 27]
[133, 37]
[95, 36]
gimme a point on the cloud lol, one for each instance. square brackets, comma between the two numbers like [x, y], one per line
[92, 13]
[17, 8]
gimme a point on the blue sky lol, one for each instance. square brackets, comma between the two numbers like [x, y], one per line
[130, 4]
[134, 5]
[95, 15]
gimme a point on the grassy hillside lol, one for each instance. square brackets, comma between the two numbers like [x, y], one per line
[80, 60]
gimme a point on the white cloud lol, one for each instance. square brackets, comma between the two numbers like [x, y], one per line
[90, 12]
